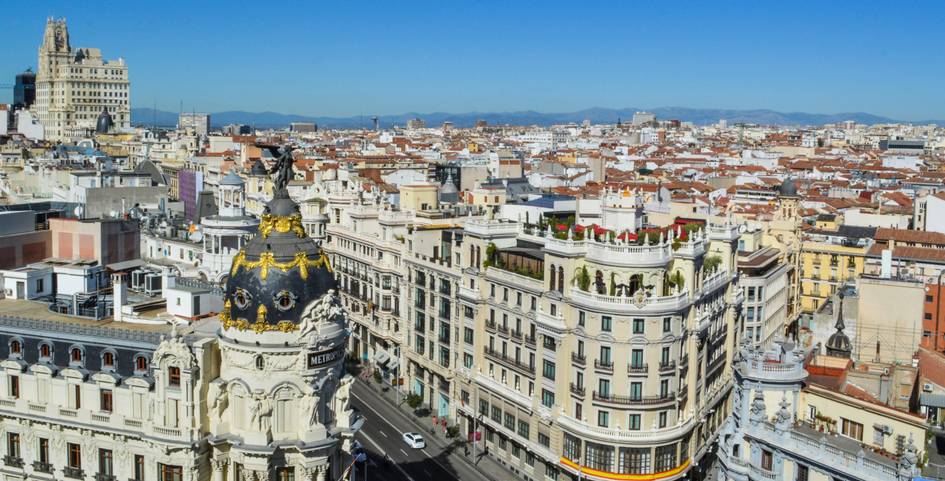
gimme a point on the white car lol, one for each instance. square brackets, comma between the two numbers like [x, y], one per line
[414, 440]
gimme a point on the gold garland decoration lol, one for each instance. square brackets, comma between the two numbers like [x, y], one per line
[281, 223]
[259, 326]
[267, 260]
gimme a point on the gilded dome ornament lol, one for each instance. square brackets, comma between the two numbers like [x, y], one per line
[279, 271]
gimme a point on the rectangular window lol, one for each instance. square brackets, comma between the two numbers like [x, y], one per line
[634, 461]
[523, 428]
[766, 460]
[636, 390]
[139, 468]
[170, 473]
[606, 324]
[548, 369]
[634, 422]
[667, 324]
[852, 429]
[662, 418]
[105, 400]
[581, 317]
[105, 465]
[468, 335]
[74, 456]
[603, 387]
[13, 445]
[638, 326]
[803, 473]
[544, 440]
[173, 376]
[636, 358]
[43, 450]
[15, 387]
[605, 355]
[547, 398]
[603, 418]
[665, 458]
[509, 421]
[285, 474]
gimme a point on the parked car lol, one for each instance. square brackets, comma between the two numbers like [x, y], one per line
[414, 440]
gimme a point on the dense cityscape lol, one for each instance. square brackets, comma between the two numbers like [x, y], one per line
[646, 299]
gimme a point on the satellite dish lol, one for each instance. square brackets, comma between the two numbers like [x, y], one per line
[196, 236]
[79, 211]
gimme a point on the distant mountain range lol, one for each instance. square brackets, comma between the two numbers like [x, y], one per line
[147, 116]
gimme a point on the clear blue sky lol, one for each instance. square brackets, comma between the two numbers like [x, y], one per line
[389, 57]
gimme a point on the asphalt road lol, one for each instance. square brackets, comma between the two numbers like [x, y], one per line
[382, 435]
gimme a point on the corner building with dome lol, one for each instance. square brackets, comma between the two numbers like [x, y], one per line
[258, 393]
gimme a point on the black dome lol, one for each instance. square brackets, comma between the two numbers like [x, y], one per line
[278, 273]
[788, 188]
[104, 122]
[258, 169]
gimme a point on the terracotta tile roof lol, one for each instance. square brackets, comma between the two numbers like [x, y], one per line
[922, 237]
[920, 254]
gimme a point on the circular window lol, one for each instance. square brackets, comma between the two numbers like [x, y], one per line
[242, 298]
[285, 300]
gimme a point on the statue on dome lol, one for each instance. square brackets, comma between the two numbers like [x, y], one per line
[283, 171]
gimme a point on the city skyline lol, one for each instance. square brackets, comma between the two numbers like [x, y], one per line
[344, 60]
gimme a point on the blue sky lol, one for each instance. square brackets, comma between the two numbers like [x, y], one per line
[389, 57]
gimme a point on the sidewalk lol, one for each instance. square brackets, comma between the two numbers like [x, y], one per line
[484, 464]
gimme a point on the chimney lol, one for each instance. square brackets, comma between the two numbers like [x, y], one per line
[886, 264]
[119, 293]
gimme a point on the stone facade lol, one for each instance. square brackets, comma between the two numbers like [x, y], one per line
[75, 85]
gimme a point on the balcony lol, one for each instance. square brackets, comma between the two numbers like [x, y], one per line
[632, 305]
[511, 362]
[577, 390]
[638, 369]
[604, 366]
[630, 255]
[444, 338]
[667, 367]
[41, 467]
[503, 330]
[13, 461]
[490, 326]
[530, 341]
[634, 400]
[516, 335]
[74, 473]
[757, 472]
[105, 477]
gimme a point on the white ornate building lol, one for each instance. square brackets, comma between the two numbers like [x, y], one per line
[259, 393]
[225, 233]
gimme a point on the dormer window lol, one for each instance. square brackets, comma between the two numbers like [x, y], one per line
[108, 360]
[141, 364]
[45, 351]
[16, 348]
[75, 355]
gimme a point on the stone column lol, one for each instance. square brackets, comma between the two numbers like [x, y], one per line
[219, 467]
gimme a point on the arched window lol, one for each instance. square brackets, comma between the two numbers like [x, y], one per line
[15, 347]
[45, 351]
[554, 274]
[141, 364]
[560, 279]
[75, 354]
[108, 359]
